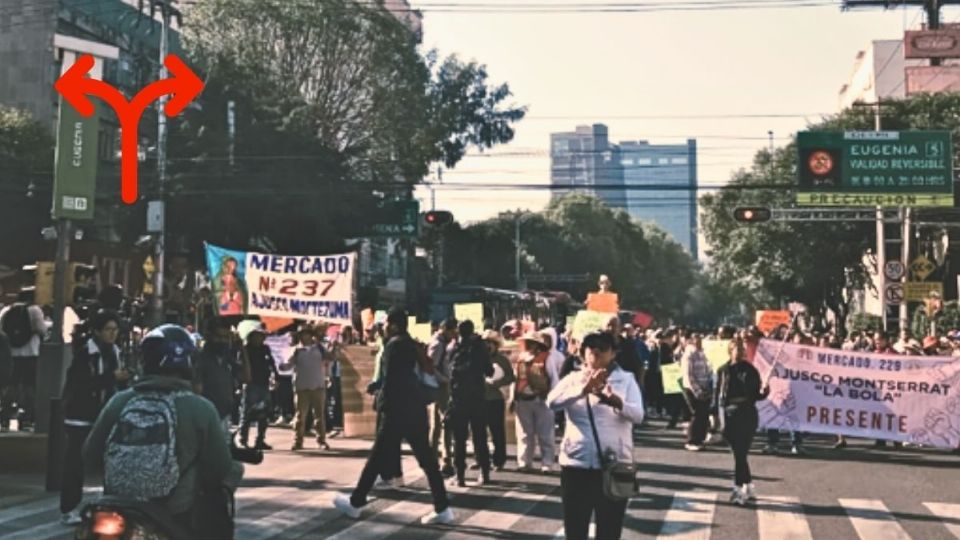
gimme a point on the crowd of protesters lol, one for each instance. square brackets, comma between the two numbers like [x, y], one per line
[592, 391]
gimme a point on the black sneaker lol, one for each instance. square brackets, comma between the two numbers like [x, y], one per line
[261, 445]
[448, 471]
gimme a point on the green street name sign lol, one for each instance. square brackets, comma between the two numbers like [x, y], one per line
[398, 219]
[75, 182]
[870, 168]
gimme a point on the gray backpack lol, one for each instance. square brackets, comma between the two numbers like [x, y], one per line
[141, 458]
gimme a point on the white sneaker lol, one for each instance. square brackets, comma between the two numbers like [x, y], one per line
[693, 447]
[547, 469]
[397, 482]
[480, 482]
[750, 492]
[708, 439]
[443, 518]
[71, 518]
[737, 496]
[342, 503]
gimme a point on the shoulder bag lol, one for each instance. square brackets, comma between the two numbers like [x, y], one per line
[619, 478]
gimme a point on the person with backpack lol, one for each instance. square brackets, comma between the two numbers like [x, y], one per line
[92, 380]
[188, 468]
[24, 325]
[6, 373]
[534, 419]
[469, 367]
[402, 407]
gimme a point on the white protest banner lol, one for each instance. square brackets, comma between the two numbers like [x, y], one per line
[877, 396]
[307, 287]
[301, 287]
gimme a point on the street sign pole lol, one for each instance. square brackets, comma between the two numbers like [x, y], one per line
[881, 261]
[905, 252]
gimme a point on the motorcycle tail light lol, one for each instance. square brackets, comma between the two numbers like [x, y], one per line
[108, 525]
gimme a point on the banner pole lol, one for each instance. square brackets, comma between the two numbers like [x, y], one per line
[783, 344]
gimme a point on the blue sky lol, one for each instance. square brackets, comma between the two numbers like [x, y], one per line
[617, 68]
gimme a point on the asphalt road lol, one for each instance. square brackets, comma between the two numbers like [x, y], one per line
[857, 492]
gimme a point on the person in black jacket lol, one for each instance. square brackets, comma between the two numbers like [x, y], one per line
[738, 390]
[257, 393]
[469, 368]
[402, 407]
[92, 380]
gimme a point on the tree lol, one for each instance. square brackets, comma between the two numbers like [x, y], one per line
[336, 108]
[26, 180]
[575, 235]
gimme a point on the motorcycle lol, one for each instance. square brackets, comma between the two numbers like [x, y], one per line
[118, 518]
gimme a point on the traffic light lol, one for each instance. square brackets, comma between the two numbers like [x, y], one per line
[752, 214]
[437, 218]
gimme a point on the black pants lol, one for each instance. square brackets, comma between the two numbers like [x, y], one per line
[700, 411]
[24, 382]
[739, 429]
[392, 462]
[285, 396]
[469, 420]
[334, 405]
[395, 427]
[653, 391]
[496, 410]
[582, 498]
[71, 489]
[675, 408]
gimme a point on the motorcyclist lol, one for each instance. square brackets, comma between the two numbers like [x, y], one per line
[202, 453]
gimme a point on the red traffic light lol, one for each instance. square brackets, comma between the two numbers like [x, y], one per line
[752, 214]
[438, 217]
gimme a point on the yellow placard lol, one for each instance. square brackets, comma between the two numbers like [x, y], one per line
[469, 312]
[421, 332]
[918, 291]
[717, 351]
[589, 321]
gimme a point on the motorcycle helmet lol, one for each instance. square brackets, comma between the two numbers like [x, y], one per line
[168, 350]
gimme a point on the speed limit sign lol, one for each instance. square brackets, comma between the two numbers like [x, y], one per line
[894, 270]
[894, 294]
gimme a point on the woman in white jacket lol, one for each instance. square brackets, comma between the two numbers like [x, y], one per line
[615, 400]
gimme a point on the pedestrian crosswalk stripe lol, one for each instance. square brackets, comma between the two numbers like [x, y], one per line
[690, 517]
[872, 520]
[782, 518]
[384, 523]
[502, 515]
[300, 507]
[40, 532]
[949, 513]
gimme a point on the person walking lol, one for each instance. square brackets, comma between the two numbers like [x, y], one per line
[534, 419]
[469, 366]
[257, 402]
[738, 390]
[24, 325]
[439, 352]
[697, 392]
[602, 403]
[92, 380]
[402, 408]
[310, 364]
[222, 364]
[495, 405]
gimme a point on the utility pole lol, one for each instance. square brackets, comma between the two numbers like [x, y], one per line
[167, 12]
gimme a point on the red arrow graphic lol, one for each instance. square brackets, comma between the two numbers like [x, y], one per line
[75, 86]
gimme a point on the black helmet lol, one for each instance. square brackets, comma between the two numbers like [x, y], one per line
[168, 350]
